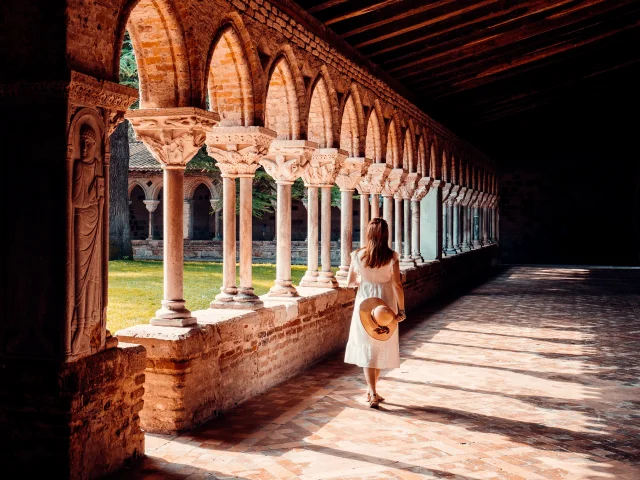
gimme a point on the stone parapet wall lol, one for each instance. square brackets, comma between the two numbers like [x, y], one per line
[79, 420]
[194, 374]
[211, 250]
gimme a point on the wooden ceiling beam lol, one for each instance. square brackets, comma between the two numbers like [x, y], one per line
[590, 10]
[325, 5]
[361, 11]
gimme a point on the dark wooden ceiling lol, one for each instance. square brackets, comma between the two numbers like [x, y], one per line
[473, 62]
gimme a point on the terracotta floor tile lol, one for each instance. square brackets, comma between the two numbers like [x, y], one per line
[533, 374]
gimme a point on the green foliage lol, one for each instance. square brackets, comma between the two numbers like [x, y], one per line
[128, 66]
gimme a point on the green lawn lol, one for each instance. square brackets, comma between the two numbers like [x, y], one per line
[135, 288]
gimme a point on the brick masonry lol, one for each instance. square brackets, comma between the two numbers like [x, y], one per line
[75, 420]
[194, 374]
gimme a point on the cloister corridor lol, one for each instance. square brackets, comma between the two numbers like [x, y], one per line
[532, 374]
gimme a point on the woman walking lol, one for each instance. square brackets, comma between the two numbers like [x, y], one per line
[379, 305]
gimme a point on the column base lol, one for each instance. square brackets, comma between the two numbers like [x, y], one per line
[310, 279]
[320, 281]
[450, 251]
[465, 248]
[226, 295]
[173, 314]
[283, 289]
[245, 299]
[417, 257]
[343, 272]
[407, 262]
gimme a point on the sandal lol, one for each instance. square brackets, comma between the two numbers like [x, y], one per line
[374, 403]
[379, 398]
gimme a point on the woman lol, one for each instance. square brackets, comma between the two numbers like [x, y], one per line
[377, 266]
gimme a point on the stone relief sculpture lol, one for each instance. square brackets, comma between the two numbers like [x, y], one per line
[88, 203]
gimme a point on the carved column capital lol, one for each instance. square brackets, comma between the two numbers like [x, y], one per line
[424, 185]
[353, 169]
[462, 192]
[151, 205]
[323, 168]
[449, 193]
[409, 186]
[374, 179]
[172, 135]
[395, 179]
[287, 159]
[238, 150]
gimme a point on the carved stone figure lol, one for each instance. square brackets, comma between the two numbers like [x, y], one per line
[88, 207]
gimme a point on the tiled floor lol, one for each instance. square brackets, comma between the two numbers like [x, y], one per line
[534, 374]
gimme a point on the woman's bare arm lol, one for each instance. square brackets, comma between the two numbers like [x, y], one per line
[397, 287]
[352, 276]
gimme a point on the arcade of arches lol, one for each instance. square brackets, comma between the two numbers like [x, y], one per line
[260, 85]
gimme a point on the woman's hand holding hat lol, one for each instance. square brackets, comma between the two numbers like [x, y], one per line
[401, 316]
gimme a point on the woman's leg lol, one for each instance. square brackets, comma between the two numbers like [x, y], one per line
[371, 378]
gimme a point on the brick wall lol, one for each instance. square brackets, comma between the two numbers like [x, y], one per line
[76, 420]
[194, 374]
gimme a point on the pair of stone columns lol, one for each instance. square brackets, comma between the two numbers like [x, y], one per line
[173, 136]
[395, 180]
[151, 205]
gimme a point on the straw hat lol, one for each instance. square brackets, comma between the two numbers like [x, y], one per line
[377, 318]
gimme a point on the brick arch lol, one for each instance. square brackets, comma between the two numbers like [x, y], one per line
[350, 128]
[446, 167]
[434, 160]
[374, 141]
[161, 53]
[285, 96]
[232, 70]
[393, 157]
[192, 183]
[423, 156]
[409, 156]
[320, 125]
[133, 183]
[155, 190]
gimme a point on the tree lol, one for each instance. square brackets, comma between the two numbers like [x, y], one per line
[119, 232]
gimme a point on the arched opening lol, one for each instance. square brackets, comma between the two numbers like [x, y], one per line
[230, 91]
[392, 156]
[349, 135]
[281, 106]
[203, 226]
[408, 162]
[423, 164]
[319, 126]
[158, 219]
[373, 144]
[138, 214]
[161, 54]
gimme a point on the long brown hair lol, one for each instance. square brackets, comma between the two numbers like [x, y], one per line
[376, 250]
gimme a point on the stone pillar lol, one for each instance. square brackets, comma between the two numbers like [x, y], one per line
[151, 205]
[455, 227]
[321, 172]
[238, 151]
[476, 228]
[431, 225]
[451, 218]
[364, 216]
[216, 218]
[405, 193]
[398, 211]
[187, 219]
[460, 198]
[311, 275]
[395, 179]
[424, 184]
[375, 205]
[285, 161]
[348, 179]
[173, 136]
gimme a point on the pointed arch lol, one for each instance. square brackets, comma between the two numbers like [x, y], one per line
[230, 86]
[435, 164]
[159, 45]
[393, 145]
[282, 103]
[409, 149]
[349, 128]
[422, 163]
[320, 125]
[374, 136]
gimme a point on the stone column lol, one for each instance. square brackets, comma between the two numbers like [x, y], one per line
[311, 275]
[173, 136]
[455, 227]
[462, 193]
[187, 219]
[238, 151]
[321, 172]
[151, 205]
[398, 212]
[395, 179]
[374, 182]
[364, 216]
[216, 218]
[451, 194]
[375, 205]
[424, 184]
[348, 179]
[405, 193]
[286, 161]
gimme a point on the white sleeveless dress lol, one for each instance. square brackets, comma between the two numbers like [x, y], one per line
[362, 349]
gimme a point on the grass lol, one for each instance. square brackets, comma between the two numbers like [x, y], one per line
[135, 288]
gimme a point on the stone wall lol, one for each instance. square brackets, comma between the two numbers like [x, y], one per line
[194, 374]
[211, 250]
[76, 420]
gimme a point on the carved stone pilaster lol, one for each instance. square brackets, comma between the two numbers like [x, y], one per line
[353, 169]
[409, 186]
[238, 150]
[287, 159]
[374, 179]
[323, 168]
[394, 181]
[424, 184]
[172, 135]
